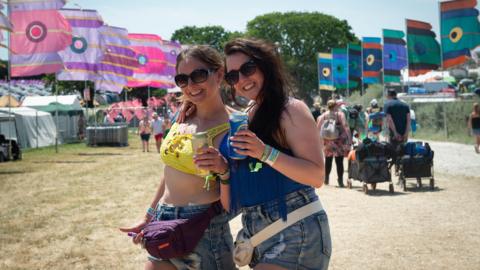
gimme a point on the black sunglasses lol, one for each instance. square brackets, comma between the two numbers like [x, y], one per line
[247, 69]
[197, 76]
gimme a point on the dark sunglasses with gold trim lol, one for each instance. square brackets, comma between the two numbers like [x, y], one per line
[197, 76]
[247, 69]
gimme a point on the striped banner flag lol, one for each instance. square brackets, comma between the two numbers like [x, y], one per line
[118, 62]
[372, 59]
[39, 32]
[81, 57]
[152, 62]
[170, 50]
[394, 55]
[340, 68]
[354, 66]
[460, 31]
[325, 76]
[423, 48]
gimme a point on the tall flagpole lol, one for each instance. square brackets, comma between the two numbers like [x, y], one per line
[9, 70]
[361, 60]
[383, 65]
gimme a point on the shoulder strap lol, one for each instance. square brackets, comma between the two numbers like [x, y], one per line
[215, 131]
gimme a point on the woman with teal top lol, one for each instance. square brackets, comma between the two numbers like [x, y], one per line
[184, 190]
[284, 162]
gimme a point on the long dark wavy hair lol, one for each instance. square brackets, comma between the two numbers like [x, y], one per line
[274, 94]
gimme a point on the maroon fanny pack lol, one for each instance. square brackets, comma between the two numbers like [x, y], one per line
[176, 238]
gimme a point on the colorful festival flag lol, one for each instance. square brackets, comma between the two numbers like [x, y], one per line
[29, 5]
[460, 31]
[118, 62]
[151, 62]
[39, 32]
[394, 55]
[354, 66]
[325, 77]
[170, 50]
[81, 57]
[340, 68]
[423, 48]
[372, 59]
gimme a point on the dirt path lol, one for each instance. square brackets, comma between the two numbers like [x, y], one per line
[417, 229]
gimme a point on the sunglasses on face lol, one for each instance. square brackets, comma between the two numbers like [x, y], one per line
[247, 69]
[197, 76]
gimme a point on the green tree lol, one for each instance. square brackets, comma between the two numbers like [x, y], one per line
[215, 36]
[300, 36]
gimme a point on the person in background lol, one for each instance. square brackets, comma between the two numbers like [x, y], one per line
[474, 126]
[337, 148]
[145, 129]
[81, 127]
[158, 128]
[413, 122]
[375, 117]
[316, 110]
[398, 118]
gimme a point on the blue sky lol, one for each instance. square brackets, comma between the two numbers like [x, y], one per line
[367, 17]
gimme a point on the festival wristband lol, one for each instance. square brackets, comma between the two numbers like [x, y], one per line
[272, 157]
[151, 212]
[266, 153]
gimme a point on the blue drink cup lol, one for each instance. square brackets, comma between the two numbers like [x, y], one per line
[238, 121]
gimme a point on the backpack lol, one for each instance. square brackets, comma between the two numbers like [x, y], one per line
[329, 129]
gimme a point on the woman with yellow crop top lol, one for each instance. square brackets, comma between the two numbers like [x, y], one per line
[183, 190]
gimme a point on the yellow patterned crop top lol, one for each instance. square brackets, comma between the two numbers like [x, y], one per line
[177, 151]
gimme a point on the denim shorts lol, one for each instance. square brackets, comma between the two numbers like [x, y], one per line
[214, 251]
[304, 245]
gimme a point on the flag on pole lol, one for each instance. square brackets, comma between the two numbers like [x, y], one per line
[81, 57]
[354, 65]
[152, 62]
[325, 77]
[340, 68]
[372, 59]
[423, 48]
[170, 50]
[39, 32]
[118, 62]
[394, 55]
[460, 31]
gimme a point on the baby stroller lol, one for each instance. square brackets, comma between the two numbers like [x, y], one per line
[370, 163]
[416, 163]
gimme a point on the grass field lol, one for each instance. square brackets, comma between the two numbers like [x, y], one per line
[61, 211]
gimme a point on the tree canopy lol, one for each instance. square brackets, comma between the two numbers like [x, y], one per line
[300, 36]
[215, 36]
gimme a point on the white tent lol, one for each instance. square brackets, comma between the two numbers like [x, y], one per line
[31, 128]
[40, 101]
[68, 110]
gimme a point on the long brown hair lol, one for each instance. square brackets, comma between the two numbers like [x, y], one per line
[208, 55]
[277, 86]
[476, 108]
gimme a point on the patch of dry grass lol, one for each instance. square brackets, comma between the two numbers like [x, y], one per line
[61, 211]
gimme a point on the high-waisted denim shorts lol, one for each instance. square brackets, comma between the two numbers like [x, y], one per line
[214, 251]
[304, 245]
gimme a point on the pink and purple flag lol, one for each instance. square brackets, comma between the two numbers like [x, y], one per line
[81, 57]
[39, 32]
[118, 62]
[170, 49]
[153, 69]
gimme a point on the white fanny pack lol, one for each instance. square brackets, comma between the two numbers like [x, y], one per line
[243, 251]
